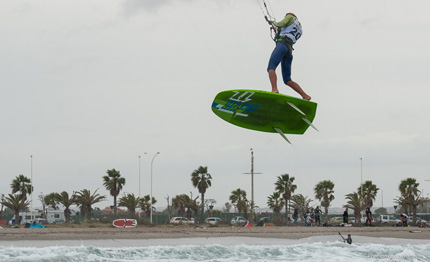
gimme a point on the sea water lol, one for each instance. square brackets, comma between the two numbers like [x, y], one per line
[312, 251]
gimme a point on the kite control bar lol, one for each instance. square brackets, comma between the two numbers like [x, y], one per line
[267, 20]
[272, 26]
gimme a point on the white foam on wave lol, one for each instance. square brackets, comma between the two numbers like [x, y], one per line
[226, 252]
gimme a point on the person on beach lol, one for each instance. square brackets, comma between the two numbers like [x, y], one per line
[308, 221]
[289, 30]
[312, 215]
[345, 216]
[295, 214]
[307, 217]
[404, 219]
[317, 214]
[368, 217]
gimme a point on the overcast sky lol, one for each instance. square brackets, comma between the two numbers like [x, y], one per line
[88, 86]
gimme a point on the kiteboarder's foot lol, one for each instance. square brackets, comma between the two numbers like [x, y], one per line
[275, 91]
[296, 87]
[306, 97]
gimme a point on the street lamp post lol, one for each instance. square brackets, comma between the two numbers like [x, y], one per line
[139, 183]
[150, 199]
[31, 180]
[361, 182]
[139, 180]
[252, 182]
[361, 179]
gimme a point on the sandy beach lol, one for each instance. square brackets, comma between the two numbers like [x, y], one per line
[19, 234]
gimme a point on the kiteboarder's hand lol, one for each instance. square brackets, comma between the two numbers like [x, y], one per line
[270, 22]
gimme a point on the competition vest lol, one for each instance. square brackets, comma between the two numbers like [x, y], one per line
[293, 31]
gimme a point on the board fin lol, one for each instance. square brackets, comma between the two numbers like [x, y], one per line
[295, 107]
[282, 134]
[309, 123]
[300, 111]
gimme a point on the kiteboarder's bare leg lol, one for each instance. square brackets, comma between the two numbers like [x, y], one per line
[273, 80]
[296, 87]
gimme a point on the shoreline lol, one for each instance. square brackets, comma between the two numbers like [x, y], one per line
[187, 232]
[222, 241]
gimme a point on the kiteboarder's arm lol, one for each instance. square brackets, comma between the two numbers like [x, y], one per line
[342, 237]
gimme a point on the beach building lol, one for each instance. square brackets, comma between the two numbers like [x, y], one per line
[54, 216]
[27, 217]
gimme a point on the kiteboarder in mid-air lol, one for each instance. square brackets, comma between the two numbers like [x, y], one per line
[270, 111]
[288, 31]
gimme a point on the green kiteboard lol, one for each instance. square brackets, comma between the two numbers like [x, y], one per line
[265, 111]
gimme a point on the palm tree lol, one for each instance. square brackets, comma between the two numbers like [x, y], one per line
[85, 200]
[239, 200]
[1, 202]
[194, 205]
[50, 200]
[410, 196]
[227, 207]
[201, 180]
[145, 204]
[369, 193]
[356, 203]
[47, 201]
[190, 205]
[324, 193]
[114, 183]
[285, 186]
[275, 202]
[245, 206]
[16, 203]
[179, 203]
[23, 185]
[66, 200]
[302, 203]
[130, 202]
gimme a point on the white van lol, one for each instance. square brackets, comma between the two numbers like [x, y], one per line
[388, 219]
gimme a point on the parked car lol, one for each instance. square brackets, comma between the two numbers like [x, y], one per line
[238, 220]
[181, 220]
[213, 220]
[336, 220]
[421, 222]
[389, 219]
